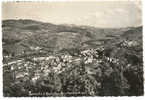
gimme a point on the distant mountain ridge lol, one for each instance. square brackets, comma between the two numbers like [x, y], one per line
[56, 37]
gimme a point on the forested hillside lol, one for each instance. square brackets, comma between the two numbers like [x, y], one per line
[43, 59]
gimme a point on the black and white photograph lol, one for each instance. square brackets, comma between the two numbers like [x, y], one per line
[72, 49]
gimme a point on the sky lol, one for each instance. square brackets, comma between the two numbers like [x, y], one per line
[108, 14]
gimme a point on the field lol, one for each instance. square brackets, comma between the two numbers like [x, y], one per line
[43, 59]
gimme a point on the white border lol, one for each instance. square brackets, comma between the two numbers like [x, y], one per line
[65, 0]
[64, 98]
